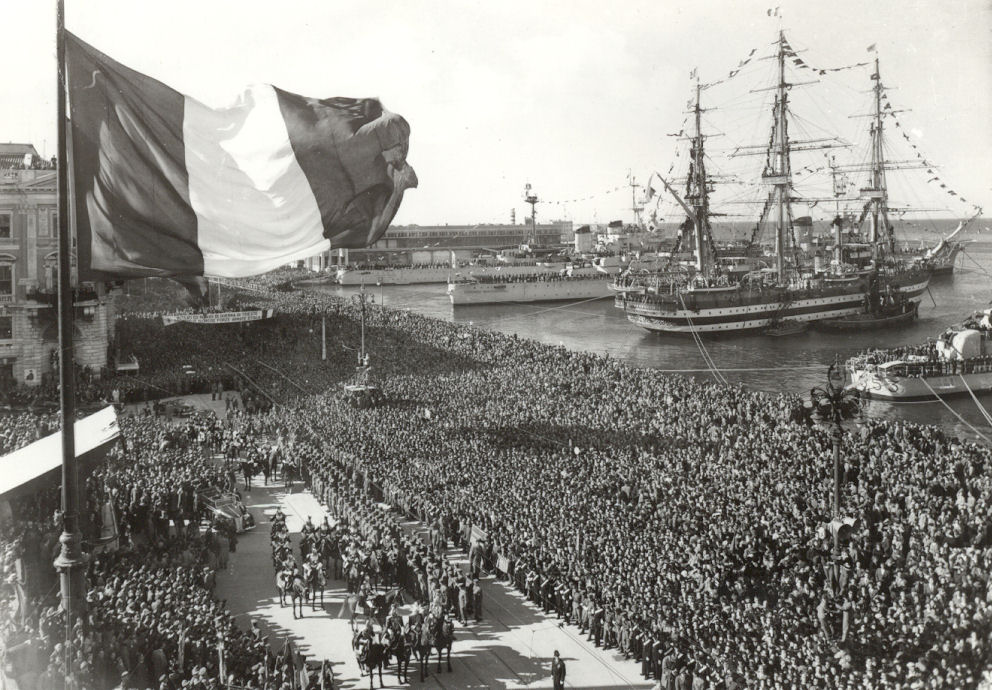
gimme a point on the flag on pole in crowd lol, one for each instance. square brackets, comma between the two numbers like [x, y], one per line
[165, 185]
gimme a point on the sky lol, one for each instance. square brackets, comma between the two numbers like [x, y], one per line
[568, 95]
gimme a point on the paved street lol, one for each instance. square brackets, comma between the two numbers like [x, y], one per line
[510, 648]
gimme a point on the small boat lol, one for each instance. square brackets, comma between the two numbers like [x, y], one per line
[887, 317]
[787, 327]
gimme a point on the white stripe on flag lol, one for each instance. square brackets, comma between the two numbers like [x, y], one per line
[254, 207]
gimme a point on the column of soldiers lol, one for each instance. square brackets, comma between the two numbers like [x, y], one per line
[662, 654]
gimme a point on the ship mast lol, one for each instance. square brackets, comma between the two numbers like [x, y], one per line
[634, 206]
[840, 187]
[781, 173]
[698, 195]
[530, 197]
[878, 231]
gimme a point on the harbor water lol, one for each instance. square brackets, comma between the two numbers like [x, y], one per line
[793, 363]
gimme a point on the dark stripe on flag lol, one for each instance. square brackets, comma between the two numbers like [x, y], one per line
[340, 145]
[133, 214]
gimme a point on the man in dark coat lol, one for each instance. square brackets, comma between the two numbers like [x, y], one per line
[558, 671]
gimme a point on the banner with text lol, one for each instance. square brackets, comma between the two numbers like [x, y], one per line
[220, 317]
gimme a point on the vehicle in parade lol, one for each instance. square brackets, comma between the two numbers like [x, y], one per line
[958, 362]
[224, 507]
[844, 283]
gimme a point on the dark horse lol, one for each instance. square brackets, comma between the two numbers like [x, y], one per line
[435, 633]
[371, 655]
[400, 644]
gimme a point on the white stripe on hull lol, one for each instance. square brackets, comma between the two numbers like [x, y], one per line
[915, 290]
[686, 321]
[753, 316]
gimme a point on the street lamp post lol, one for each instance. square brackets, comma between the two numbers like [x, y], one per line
[832, 405]
[362, 299]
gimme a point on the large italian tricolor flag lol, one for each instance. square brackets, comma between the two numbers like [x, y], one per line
[164, 185]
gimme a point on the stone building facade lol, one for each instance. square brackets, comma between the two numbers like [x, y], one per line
[29, 278]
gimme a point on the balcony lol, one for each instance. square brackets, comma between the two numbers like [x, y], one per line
[51, 298]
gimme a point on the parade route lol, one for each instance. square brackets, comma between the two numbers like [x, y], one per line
[511, 648]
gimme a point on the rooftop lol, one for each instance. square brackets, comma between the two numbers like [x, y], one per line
[22, 156]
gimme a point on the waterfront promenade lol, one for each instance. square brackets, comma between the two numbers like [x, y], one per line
[511, 648]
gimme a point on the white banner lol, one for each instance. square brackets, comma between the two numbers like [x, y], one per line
[220, 317]
[477, 534]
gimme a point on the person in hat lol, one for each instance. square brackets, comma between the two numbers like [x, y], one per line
[558, 671]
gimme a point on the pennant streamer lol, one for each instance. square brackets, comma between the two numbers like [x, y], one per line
[935, 179]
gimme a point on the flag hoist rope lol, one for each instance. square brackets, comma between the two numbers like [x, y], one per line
[980, 267]
[988, 418]
[954, 412]
[699, 343]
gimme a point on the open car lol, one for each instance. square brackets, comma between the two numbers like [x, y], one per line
[224, 507]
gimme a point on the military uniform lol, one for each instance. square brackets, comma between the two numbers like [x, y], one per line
[646, 647]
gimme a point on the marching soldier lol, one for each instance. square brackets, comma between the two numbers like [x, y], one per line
[562, 593]
[683, 681]
[647, 646]
[609, 633]
[477, 600]
[463, 603]
[547, 593]
[659, 651]
[669, 667]
[623, 641]
[637, 642]
[596, 623]
[587, 608]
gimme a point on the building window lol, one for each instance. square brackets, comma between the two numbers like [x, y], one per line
[5, 224]
[6, 282]
[49, 225]
[6, 328]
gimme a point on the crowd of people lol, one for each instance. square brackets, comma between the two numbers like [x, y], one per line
[684, 524]
[151, 618]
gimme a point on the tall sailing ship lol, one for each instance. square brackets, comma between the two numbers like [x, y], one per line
[706, 297]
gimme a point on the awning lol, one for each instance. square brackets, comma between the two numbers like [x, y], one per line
[40, 462]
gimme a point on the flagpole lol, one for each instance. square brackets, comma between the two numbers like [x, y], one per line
[70, 560]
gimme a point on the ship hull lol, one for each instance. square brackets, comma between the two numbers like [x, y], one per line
[944, 265]
[429, 275]
[735, 312]
[862, 322]
[727, 319]
[876, 386]
[394, 276]
[528, 291]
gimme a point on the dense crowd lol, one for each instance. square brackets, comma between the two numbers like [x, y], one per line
[151, 618]
[684, 524]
